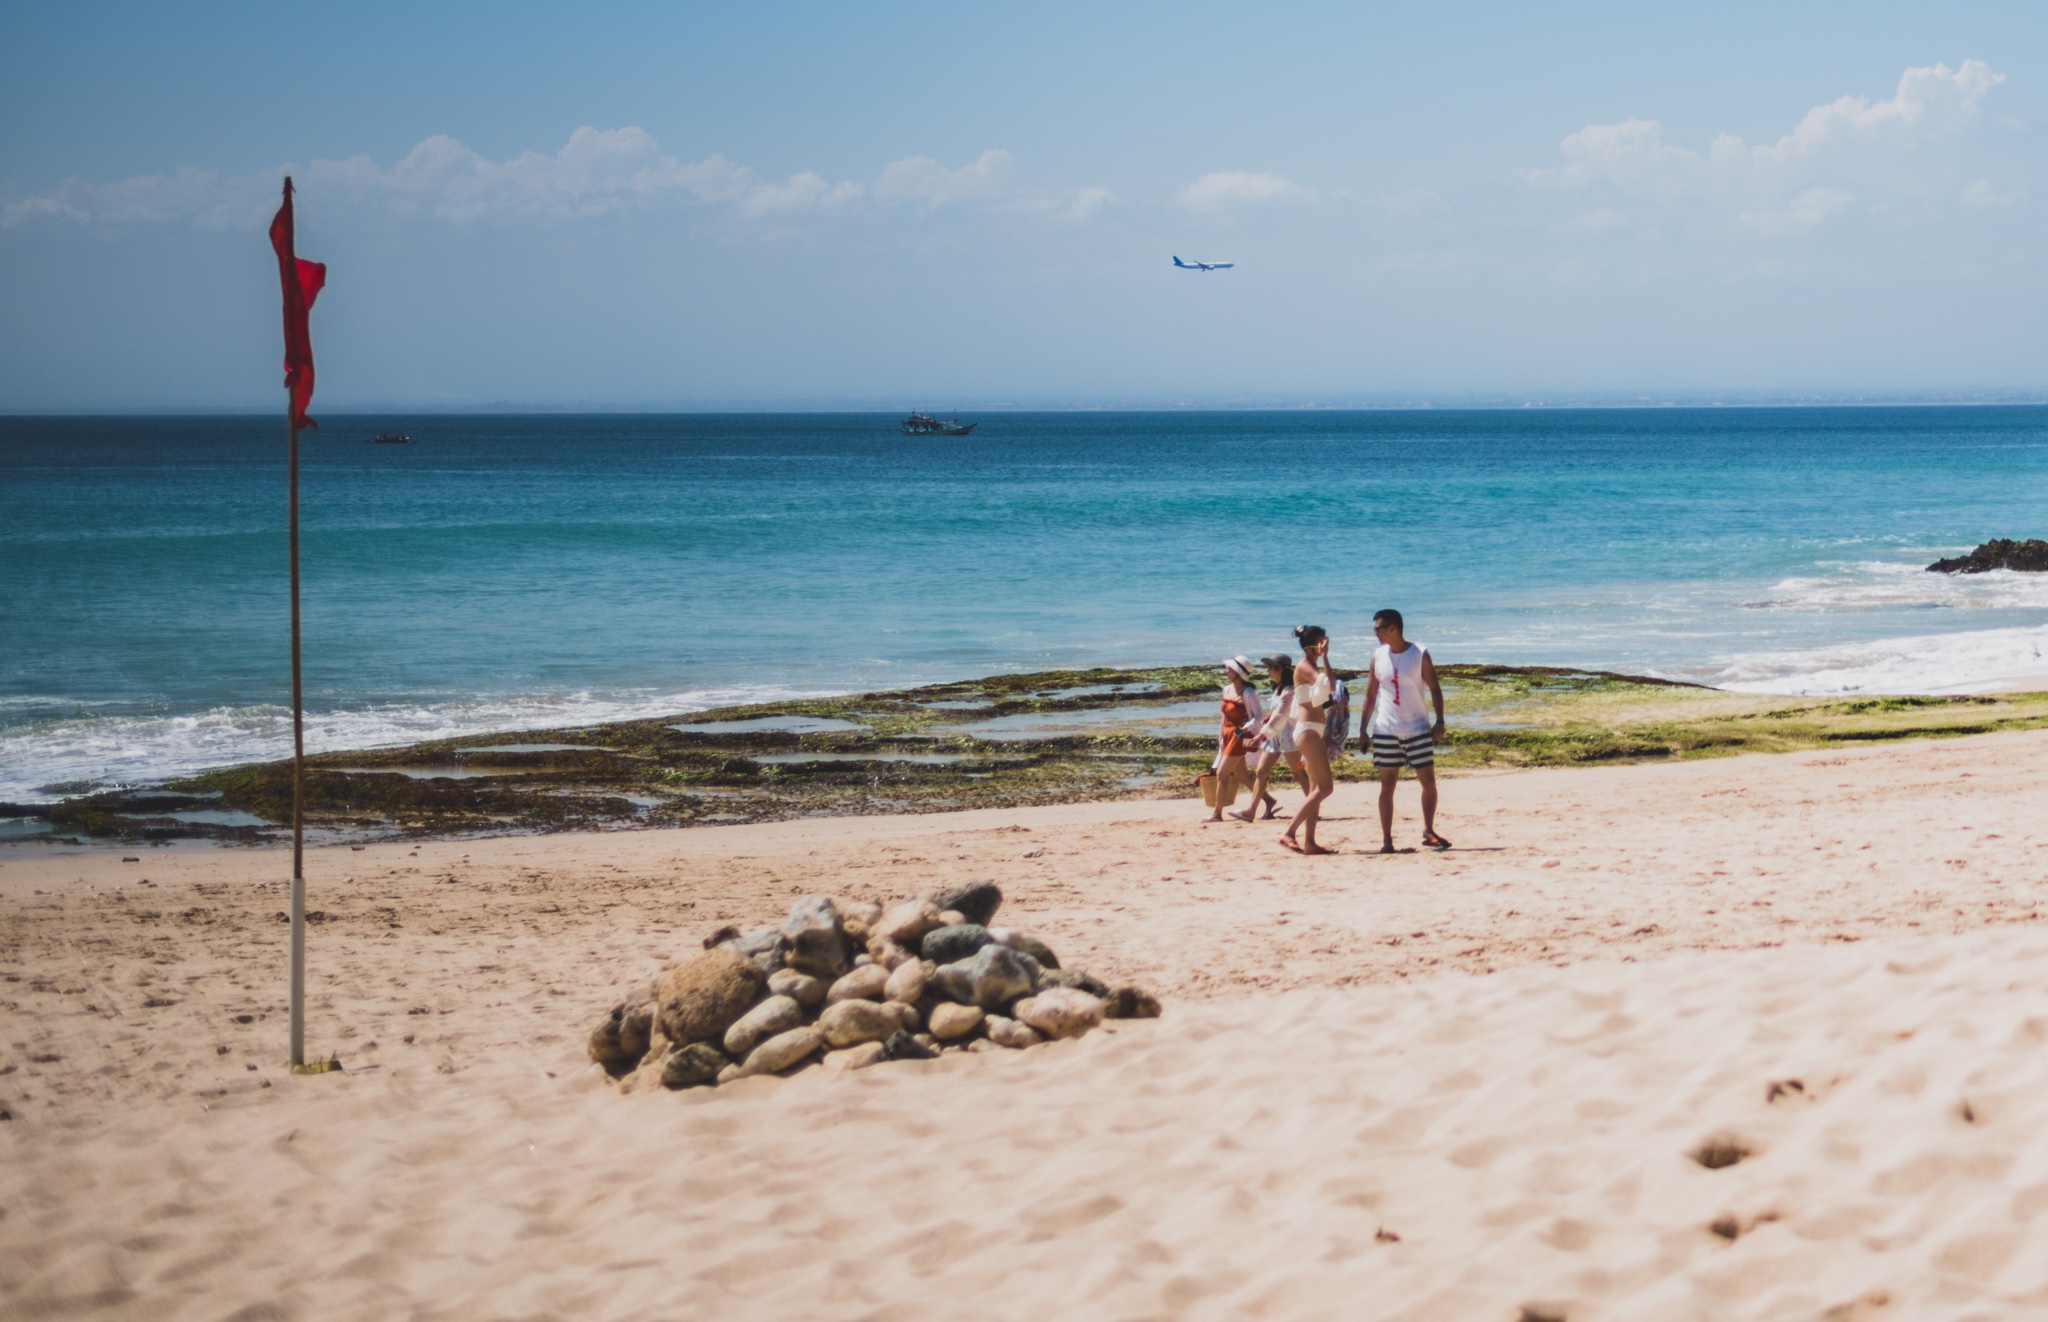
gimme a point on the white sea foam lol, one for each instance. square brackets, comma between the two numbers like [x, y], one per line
[1971, 662]
[1888, 585]
[129, 750]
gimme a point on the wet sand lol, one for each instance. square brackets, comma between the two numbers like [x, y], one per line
[1500, 1055]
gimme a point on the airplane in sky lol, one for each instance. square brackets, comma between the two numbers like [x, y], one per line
[1203, 266]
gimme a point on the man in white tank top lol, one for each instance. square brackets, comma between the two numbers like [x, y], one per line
[1400, 726]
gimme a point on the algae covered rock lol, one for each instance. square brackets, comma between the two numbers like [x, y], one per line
[694, 1066]
[697, 1001]
[621, 1037]
[1130, 1003]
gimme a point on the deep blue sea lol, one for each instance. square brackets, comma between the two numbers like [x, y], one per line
[511, 571]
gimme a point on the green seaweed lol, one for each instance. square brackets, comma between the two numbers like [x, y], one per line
[1499, 716]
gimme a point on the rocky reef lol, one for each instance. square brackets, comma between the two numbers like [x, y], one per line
[1000, 742]
[2030, 556]
[849, 984]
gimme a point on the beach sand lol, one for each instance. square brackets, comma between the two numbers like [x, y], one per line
[1456, 1086]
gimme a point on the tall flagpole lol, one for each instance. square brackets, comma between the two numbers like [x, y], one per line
[298, 1002]
[300, 283]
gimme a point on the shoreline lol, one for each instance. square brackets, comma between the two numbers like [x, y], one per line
[1001, 741]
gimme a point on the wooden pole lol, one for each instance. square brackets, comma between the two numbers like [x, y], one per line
[298, 1002]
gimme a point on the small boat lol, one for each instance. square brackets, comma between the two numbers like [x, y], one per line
[924, 424]
[390, 438]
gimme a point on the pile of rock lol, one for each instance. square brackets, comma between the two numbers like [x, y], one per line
[854, 984]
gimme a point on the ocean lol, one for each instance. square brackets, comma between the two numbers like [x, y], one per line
[525, 571]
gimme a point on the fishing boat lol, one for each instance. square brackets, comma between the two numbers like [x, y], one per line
[390, 438]
[924, 424]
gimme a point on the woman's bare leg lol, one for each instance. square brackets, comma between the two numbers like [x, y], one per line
[1316, 768]
[1259, 795]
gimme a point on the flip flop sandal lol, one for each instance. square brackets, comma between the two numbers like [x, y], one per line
[1435, 841]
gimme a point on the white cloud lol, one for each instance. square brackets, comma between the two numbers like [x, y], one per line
[598, 171]
[1847, 148]
[1228, 188]
[922, 179]
[39, 208]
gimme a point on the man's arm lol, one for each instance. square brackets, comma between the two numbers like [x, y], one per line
[1436, 691]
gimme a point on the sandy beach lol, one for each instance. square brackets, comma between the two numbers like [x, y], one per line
[1421, 1086]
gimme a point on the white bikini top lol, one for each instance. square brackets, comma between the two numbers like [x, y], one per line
[1312, 699]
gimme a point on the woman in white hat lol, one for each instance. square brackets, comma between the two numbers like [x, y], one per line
[1240, 720]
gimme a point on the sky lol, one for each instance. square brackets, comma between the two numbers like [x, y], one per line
[890, 205]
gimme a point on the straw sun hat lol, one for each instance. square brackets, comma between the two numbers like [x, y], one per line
[1239, 665]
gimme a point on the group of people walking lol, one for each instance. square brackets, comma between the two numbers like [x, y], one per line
[1305, 720]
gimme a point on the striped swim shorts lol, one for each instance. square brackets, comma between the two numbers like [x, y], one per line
[1390, 751]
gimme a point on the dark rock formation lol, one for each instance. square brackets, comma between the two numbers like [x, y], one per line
[816, 943]
[945, 945]
[2030, 556]
[977, 901]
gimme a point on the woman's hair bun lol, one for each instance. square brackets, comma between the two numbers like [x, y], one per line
[1301, 629]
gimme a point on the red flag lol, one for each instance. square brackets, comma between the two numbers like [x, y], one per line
[302, 281]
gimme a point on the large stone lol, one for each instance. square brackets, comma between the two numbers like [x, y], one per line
[1130, 1003]
[906, 983]
[621, 1039]
[857, 919]
[805, 990]
[2030, 557]
[904, 1046]
[777, 1014]
[888, 954]
[863, 984]
[977, 901]
[1006, 1032]
[851, 1022]
[699, 1000]
[1027, 943]
[856, 1058]
[1073, 978]
[1060, 1011]
[904, 924]
[816, 943]
[780, 1052]
[693, 1066]
[991, 978]
[949, 1021]
[766, 946]
[946, 945]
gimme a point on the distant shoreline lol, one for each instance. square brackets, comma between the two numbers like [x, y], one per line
[1651, 401]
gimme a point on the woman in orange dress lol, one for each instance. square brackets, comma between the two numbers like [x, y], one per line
[1240, 717]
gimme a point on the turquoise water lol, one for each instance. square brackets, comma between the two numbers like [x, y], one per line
[530, 571]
